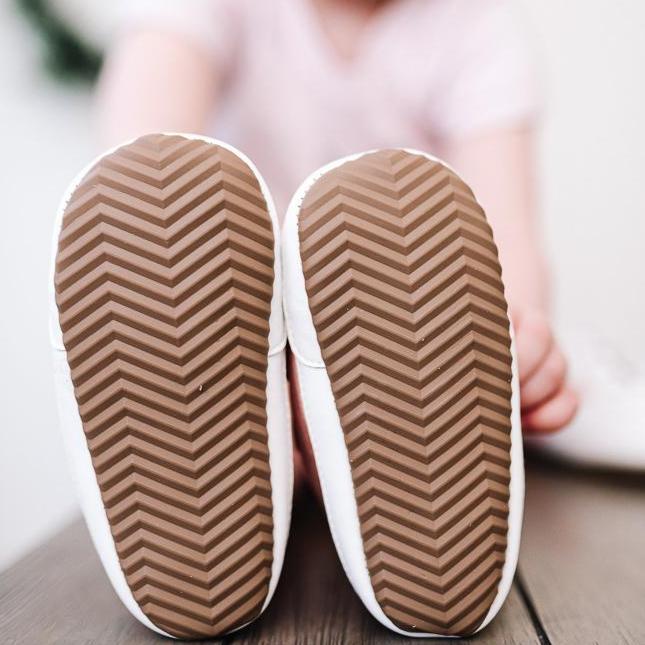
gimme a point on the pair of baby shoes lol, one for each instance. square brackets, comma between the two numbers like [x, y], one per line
[173, 294]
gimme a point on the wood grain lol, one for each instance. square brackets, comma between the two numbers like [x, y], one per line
[583, 555]
[59, 594]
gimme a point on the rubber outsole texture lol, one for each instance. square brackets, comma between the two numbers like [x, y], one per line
[405, 290]
[163, 279]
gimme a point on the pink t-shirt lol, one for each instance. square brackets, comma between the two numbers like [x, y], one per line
[425, 71]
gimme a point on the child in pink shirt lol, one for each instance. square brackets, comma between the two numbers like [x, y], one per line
[297, 83]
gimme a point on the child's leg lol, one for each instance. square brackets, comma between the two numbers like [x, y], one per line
[304, 466]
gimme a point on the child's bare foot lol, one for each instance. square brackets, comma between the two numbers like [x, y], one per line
[548, 401]
[303, 454]
[612, 396]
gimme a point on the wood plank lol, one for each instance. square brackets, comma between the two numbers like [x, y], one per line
[315, 603]
[583, 555]
[59, 594]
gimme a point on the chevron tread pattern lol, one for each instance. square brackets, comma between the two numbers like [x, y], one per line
[405, 290]
[164, 279]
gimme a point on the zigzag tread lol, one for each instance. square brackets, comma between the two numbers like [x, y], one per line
[380, 322]
[166, 324]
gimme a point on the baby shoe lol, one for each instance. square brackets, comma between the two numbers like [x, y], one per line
[396, 315]
[169, 351]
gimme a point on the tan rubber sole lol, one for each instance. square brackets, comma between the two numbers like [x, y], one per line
[164, 278]
[405, 289]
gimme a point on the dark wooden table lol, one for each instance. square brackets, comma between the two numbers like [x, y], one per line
[581, 579]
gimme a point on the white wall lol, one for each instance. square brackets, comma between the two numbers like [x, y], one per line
[593, 162]
[44, 134]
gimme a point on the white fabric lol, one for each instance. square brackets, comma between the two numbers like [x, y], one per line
[609, 428]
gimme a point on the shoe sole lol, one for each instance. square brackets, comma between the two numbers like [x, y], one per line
[163, 279]
[405, 290]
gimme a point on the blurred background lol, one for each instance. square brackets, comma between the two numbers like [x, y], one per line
[592, 159]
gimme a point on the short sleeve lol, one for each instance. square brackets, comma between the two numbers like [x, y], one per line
[213, 25]
[489, 74]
